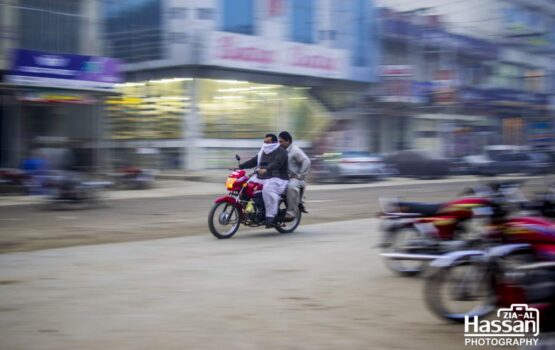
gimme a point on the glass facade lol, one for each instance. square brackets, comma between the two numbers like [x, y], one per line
[228, 109]
[238, 16]
[243, 110]
[133, 29]
[52, 25]
[149, 111]
[302, 21]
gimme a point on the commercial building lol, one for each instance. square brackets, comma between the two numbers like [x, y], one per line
[53, 81]
[207, 79]
[460, 75]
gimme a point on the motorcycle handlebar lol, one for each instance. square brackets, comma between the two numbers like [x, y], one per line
[249, 175]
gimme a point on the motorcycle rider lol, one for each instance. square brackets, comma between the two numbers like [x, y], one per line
[299, 167]
[272, 172]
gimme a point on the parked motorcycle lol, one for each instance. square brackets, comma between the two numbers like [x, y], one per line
[474, 283]
[415, 233]
[421, 232]
[69, 190]
[134, 178]
[519, 271]
[244, 205]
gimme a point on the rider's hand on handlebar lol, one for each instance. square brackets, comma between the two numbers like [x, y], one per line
[262, 172]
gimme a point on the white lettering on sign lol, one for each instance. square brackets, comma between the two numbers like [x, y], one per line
[300, 58]
[259, 53]
[233, 51]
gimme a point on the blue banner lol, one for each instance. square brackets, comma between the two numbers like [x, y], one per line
[62, 70]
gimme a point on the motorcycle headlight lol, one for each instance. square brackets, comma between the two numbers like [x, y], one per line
[229, 183]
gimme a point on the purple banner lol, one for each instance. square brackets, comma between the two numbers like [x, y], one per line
[61, 70]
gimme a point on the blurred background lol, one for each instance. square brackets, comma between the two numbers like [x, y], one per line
[364, 86]
[102, 94]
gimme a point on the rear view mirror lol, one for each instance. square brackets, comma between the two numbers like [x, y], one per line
[237, 157]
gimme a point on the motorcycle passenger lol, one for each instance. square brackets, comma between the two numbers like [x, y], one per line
[299, 167]
[272, 173]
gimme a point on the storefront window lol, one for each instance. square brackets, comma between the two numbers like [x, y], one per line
[227, 109]
[243, 110]
[150, 110]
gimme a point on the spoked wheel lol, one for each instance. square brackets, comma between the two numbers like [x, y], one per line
[405, 240]
[223, 220]
[288, 227]
[463, 289]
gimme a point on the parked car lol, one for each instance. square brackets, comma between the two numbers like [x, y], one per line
[348, 166]
[418, 164]
[506, 159]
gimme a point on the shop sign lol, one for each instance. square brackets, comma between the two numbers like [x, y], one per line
[38, 68]
[397, 85]
[397, 26]
[444, 86]
[493, 96]
[257, 53]
[502, 95]
[471, 46]
[397, 70]
[56, 97]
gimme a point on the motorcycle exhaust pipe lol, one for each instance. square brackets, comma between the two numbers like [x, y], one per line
[406, 256]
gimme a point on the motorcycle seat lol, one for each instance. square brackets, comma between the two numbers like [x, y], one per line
[426, 209]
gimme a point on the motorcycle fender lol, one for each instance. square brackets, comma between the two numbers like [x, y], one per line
[508, 249]
[449, 259]
[229, 200]
[389, 229]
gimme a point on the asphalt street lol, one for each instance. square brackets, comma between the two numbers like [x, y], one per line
[323, 287]
[142, 271]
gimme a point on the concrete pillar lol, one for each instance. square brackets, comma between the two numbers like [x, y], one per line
[90, 28]
[9, 33]
[193, 153]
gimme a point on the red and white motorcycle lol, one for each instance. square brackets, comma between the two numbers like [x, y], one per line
[244, 205]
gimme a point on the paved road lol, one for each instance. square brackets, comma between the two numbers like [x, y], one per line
[322, 287]
[182, 211]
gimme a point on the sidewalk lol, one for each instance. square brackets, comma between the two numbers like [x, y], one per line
[184, 186]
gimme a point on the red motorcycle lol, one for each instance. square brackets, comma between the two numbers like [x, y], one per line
[244, 205]
[416, 233]
[521, 271]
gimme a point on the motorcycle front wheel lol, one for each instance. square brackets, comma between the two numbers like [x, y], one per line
[402, 241]
[462, 289]
[223, 220]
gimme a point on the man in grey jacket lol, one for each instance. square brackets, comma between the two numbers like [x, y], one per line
[299, 167]
[272, 172]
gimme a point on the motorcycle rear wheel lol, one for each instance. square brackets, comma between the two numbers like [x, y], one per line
[229, 218]
[288, 227]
